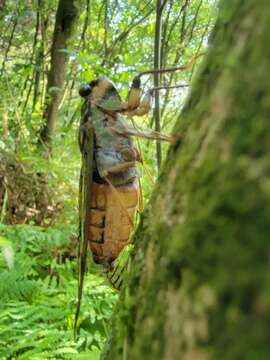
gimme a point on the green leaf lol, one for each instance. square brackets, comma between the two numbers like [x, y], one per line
[66, 350]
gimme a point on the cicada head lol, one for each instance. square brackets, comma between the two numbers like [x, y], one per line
[101, 92]
[87, 89]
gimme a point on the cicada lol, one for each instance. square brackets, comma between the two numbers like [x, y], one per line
[109, 180]
[109, 183]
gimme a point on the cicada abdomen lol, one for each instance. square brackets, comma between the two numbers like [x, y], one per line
[111, 219]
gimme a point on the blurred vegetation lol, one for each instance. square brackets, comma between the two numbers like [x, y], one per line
[38, 290]
[38, 195]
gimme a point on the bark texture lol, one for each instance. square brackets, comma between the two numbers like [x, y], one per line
[198, 286]
[67, 13]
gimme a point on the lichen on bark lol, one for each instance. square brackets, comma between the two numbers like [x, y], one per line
[198, 287]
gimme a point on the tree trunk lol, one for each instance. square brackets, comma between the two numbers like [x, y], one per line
[198, 287]
[66, 15]
[157, 63]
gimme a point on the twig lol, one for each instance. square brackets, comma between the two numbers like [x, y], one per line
[5, 200]
[9, 45]
[170, 69]
[14, 102]
[163, 87]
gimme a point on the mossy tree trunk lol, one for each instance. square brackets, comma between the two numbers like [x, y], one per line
[198, 286]
[66, 15]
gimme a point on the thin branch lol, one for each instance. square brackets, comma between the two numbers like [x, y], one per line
[85, 25]
[157, 63]
[194, 23]
[170, 69]
[166, 87]
[31, 59]
[17, 115]
[9, 45]
[165, 29]
[125, 34]
[200, 46]
[106, 27]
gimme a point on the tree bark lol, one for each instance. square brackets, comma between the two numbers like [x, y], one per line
[67, 13]
[198, 287]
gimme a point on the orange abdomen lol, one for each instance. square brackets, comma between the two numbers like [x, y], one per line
[110, 219]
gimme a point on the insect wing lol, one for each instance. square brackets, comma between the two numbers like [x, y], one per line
[86, 180]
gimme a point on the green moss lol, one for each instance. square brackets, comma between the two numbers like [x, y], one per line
[201, 267]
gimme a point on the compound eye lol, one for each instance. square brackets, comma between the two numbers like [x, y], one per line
[85, 90]
[93, 83]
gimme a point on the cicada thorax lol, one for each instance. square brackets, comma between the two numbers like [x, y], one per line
[111, 215]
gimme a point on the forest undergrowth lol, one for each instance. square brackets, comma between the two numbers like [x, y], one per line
[38, 258]
[38, 292]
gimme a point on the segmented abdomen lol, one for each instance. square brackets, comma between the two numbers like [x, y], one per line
[112, 211]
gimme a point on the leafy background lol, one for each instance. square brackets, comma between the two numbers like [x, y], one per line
[38, 297]
[39, 196]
